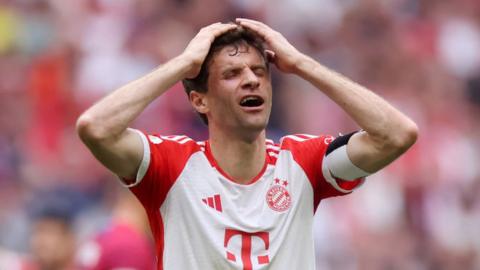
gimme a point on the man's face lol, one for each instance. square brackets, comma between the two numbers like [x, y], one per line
[239, 95]
[52, 244]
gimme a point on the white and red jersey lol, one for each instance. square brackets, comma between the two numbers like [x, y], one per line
[201, 219]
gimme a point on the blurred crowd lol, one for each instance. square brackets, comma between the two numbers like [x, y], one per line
[423, 56]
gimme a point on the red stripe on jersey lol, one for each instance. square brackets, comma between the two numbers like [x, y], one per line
[306, 136]
[210, 202]
[246, 251]
[270, 152]
[156, 224]
[231, 256]
[218, 203]
[176, 138]
[271, 159]
[263, 259]
[185, 140]
[349, 185]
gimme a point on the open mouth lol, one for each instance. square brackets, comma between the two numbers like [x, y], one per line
[251, 101]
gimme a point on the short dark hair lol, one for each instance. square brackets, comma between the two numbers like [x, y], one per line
[236, 37]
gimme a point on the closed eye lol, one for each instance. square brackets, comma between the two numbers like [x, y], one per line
[259, 71]
[228, 74]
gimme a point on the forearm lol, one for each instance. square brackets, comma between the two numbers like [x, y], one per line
[388, 132]
[371, 112]
[112, 115]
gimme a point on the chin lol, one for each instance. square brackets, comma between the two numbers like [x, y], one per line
[256, 125]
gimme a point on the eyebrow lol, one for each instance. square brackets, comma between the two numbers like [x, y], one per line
[263, 66]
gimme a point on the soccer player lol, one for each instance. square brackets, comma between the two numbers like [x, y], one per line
[239, 200]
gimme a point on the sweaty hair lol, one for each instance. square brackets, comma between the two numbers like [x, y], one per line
[237, 38]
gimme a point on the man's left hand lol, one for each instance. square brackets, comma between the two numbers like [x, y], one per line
[285, 56]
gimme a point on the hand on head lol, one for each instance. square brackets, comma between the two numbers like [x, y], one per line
[199, 46]
[281, 52]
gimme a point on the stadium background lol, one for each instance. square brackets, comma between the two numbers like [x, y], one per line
[422, 212]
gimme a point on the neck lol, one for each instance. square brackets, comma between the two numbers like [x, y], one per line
[241, 158]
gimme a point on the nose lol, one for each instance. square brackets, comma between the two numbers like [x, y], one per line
[250, 80]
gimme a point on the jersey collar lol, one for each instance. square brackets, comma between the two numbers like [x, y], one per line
[214, 164]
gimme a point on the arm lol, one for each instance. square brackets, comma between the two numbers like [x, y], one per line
[104, 126]
[387, 132]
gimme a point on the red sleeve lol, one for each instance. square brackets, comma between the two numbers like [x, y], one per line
[308, 151]
[163, 161]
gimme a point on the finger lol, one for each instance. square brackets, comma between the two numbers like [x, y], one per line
[249, 20]
[214, 26]
[257, 27]
[210, 26]
[253, 22]
[218, 29]
[223, 28]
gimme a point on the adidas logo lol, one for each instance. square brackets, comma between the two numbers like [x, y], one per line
[214, 202]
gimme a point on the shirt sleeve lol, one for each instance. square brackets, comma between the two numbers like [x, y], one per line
[309, 151]
[164, 158]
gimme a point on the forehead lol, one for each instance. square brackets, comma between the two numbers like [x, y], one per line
[234, 55]
[51, 225]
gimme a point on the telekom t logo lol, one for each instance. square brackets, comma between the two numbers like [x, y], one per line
[247, 247]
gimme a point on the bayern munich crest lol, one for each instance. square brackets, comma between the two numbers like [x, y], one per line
[278, 198]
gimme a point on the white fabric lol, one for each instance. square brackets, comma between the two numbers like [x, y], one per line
[195, 233]
[144, 164]
[340, 165]
[330, 178]
[200, 234]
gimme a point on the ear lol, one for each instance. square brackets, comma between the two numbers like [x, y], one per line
[199, 101]
[270, 55]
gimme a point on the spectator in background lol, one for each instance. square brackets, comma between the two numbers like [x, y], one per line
[124, 244]
[52, 242]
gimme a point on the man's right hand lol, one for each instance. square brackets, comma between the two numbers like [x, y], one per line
[198, 48]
